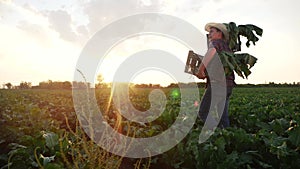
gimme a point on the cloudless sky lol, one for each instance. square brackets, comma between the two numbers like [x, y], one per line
[42, 39]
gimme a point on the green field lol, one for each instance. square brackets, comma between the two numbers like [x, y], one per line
[39, 129]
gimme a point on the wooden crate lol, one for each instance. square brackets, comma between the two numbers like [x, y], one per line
[193, 63]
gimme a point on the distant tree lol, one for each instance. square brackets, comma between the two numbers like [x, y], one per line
[8, 85]
[156, 86]
[173, 85]
[55, 85]
[100, 78]
[25, 85]
[66, 85]
[50, 84]
[43, 85]
[141, 86]
[100, 83]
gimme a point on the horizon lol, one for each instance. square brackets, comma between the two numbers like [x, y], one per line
[133, 84]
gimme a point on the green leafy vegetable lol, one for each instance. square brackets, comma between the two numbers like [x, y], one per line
[242, 62]
[242, 30]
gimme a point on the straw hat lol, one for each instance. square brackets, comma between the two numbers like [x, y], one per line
[220, 26]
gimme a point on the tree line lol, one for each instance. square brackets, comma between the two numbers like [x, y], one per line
[48, 85]
[69, 85]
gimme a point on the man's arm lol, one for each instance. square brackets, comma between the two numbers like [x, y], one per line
[205, 61]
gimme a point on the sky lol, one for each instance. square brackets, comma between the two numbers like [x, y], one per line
[42, 40]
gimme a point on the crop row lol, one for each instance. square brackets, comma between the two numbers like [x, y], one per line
[40, 129]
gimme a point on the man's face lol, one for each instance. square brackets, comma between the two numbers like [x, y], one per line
[214, 34]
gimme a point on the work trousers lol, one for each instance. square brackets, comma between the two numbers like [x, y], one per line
[214, 106]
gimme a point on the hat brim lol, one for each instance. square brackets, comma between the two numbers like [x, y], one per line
[220, 26]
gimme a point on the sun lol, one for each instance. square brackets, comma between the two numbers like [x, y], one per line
[125, 49]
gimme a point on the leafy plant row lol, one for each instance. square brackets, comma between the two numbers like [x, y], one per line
[39, 129]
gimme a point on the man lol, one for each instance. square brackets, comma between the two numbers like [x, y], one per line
[216, 79]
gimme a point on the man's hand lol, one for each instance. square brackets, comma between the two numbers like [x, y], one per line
[201, 74]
